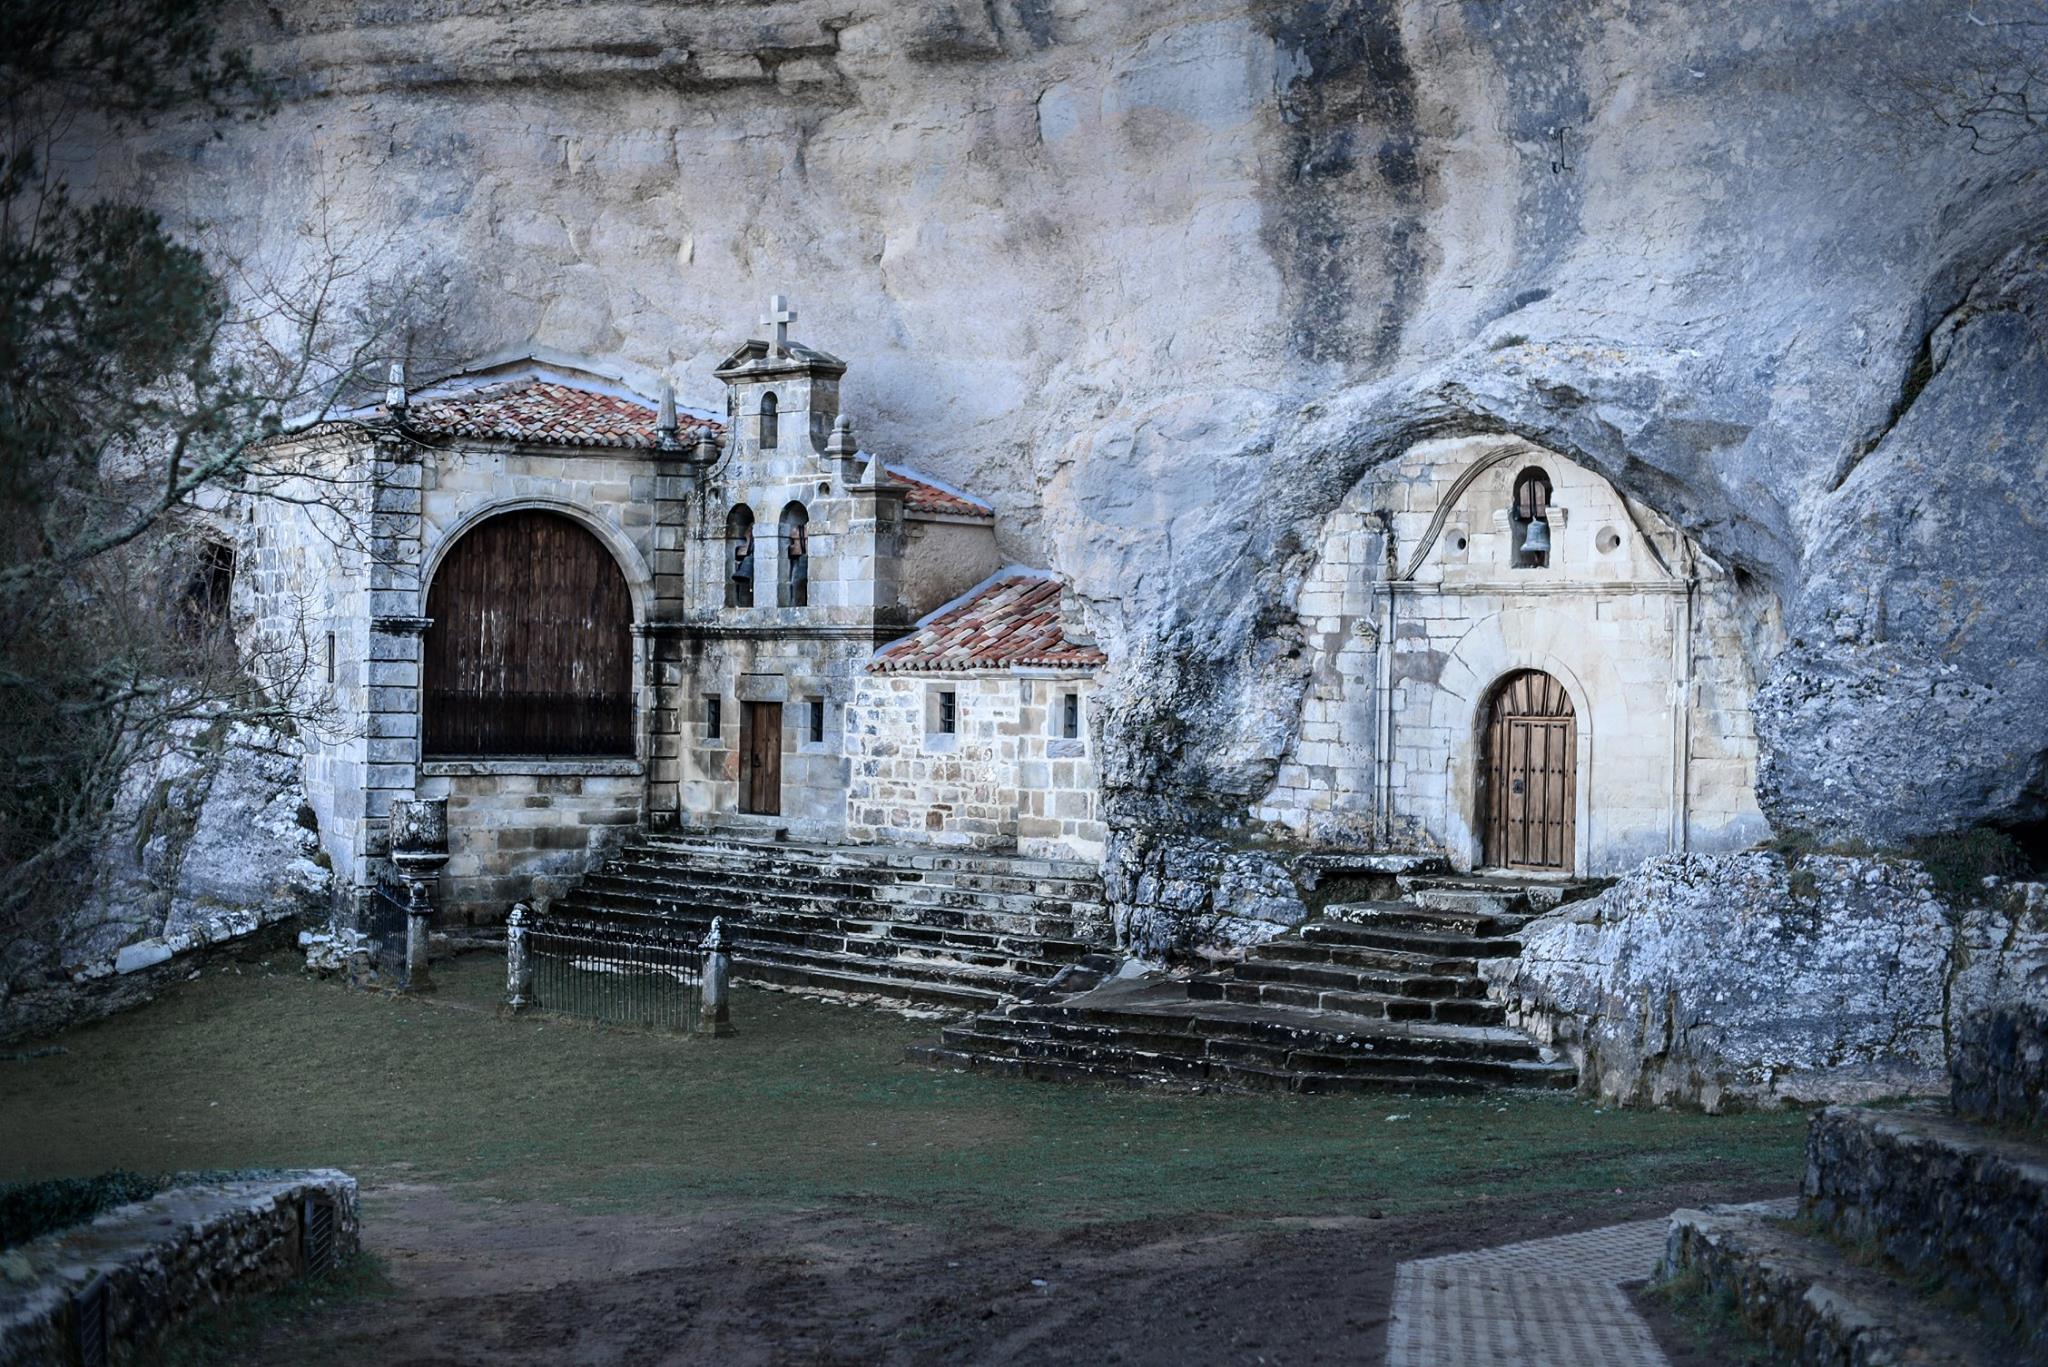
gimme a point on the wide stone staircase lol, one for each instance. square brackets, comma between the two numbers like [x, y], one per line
[1374, 995]
[936, 930]
[1922, 1231]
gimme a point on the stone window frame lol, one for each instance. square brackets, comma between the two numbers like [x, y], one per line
[816, 734]
[712, 730]
[938, 740]
[1058, 744]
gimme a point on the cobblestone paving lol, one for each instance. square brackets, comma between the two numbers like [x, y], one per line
[1544, 1303]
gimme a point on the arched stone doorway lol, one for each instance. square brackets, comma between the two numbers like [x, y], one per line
[531, 647]
[1528, 775]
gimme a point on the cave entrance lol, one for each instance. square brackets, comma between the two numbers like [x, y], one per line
[1528, 782]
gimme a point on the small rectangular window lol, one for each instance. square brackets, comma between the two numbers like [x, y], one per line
[330, 657]
[1070, 717]
[817, 721]
[949, 713]
[713, 717]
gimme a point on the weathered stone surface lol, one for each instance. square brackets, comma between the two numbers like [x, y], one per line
[1180, 894]
[1248, 253]
[1731, 980]
[167, 1260]
[1943, 1199]
[1815, 1305]
[205, 848]
[1998, 1068]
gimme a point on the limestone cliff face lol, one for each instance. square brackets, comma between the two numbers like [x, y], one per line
[1163, 279]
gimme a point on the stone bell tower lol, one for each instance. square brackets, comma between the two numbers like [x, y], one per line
[782, 397]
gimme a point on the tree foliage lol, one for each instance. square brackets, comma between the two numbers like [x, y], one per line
[143, 380]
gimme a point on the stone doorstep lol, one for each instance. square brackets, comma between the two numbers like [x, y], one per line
[181, 1251]
[1167, 1052]
[1939, 1195]
[1814, 1304]
[1433, 920]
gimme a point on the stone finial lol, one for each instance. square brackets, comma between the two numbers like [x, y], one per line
[874, 477]
[394, 387]
[665, 421]
[779, 316]
[704, 453]
[841, 443]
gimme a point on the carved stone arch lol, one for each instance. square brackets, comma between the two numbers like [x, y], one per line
[639, 578]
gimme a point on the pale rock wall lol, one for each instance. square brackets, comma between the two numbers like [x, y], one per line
[208, 844]
[1164, 280]
[1736, 980]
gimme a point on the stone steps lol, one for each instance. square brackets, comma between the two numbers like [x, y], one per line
[1940, 1197]
[629, 885]
[1375, 995]
[1376, 1006]
[1923, 1229]
[937, 891]
[1816, 1304]
[932, 930]
[1242, 1054]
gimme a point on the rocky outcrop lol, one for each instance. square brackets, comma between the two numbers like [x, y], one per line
[1247, 253]
[1177, 895]
[1750, 979]
[208, 844]
[1998, 1069]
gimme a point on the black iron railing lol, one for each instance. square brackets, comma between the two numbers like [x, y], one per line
[648, 975]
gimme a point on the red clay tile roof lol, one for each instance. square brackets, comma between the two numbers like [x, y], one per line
[927, 497]
[545, 412]
[1013, 620]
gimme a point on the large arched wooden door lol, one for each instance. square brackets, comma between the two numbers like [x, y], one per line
[531, 647]
[1529, 789]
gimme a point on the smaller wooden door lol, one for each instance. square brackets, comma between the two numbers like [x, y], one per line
[761, 758]
[1529, 804]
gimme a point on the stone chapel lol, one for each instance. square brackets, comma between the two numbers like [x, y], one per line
[577, 609]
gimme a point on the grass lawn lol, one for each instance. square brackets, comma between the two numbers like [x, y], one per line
[809, 1104]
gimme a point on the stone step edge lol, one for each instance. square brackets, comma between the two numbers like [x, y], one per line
[1239, 1080]
[594, 904]
[1801, 1293]
[876, 856]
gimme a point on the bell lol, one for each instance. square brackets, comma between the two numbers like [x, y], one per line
[1537, 539]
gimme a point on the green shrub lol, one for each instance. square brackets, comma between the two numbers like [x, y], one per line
[29, 1210]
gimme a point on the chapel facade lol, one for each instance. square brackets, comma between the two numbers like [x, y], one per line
[575, 609]
[1517, 666]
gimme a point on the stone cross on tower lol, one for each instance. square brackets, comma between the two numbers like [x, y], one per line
[779, 316]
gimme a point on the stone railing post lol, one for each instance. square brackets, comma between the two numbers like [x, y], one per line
[714, 1016]
[419, 919]
[518, 969]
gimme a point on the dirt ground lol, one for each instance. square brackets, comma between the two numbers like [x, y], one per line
[538, 1284]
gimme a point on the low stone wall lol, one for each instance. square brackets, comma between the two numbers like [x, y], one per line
[164, 1261]
[1999, 1071]
[1942, 1198]
[1722, 981]
[512, 821]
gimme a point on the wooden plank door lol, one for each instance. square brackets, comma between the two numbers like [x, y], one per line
[761, 759]
[1529, 807]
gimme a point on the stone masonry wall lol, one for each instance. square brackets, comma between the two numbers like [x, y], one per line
[1001, 779]
[170, 1259]
[513, 821]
